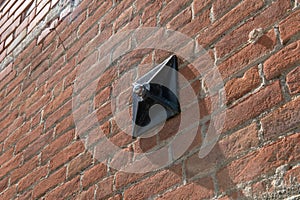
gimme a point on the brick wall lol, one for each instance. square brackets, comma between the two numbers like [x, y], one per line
[47, 151]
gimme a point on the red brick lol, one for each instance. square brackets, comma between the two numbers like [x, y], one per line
[65, 125]
[30, 179]
[58, 101]
[233, 17]
[10, 193]
[102, 97]
[239, 142]
[116, 11]
[140, 5]
[65, 190]
[12, 164]
[97, 41]
[251, 107]
[8, 79]
[238, 87]
[171, 9]
[66, 155]
[121, 139]
[151, 10]
[79, 164]
[15, 134]
[196, 25]
[123, 19]
[25, 195]
[292, 80]
[148, 187]
[28, 138]
[263, 161]
[116, 197]
[4, 184]
[72, 27]
[200, 189]
[282, 60]
[282, 120]
[199, 5]
[290, 26]
[105, 188]
[94, 174]
[181, 19]
[82, 42]
[46, 184]
[87, 195]
[36, 107]
[221, 7]
[26, 168]
[247, 55]
[37, 145]
[61, 112]
[7, 70]
[292, 176]
[123, 178]
[57, 145]
[263, 20]
[5, 156]
[97, 15]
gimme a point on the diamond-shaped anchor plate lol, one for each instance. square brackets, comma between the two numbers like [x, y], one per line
[157, 87]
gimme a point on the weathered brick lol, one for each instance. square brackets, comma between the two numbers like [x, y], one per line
[263, 161]
[171, 9]
[123, 178]
[28, 138]
[39, 17]
[79, 164]
[58, 101]
[252, 106]
[124, 18]
[292, 176]
[4, 184]
[237, 87]
[116, 11]
[38, 144]
[231, 18]
[61, 112]
[88, 194]
[26, 168]
[65, 190]
[66, 155]
[46, 184]
[221, 7]
[94, 174]
[282, 60]
[81, 42]
[30, 179]
[247, 55]
[290, 26]
[7, 155]
[292, 80]
[199, 189]
[239, 36]
[10, 193]
[282, 120]
[12, 164]
[149, 186]
[8, 69]
[105, 188]
[151, 10]
[56, 145]
[198, 5]
[181, 19]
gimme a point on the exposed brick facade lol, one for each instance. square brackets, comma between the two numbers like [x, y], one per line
[44, 154]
